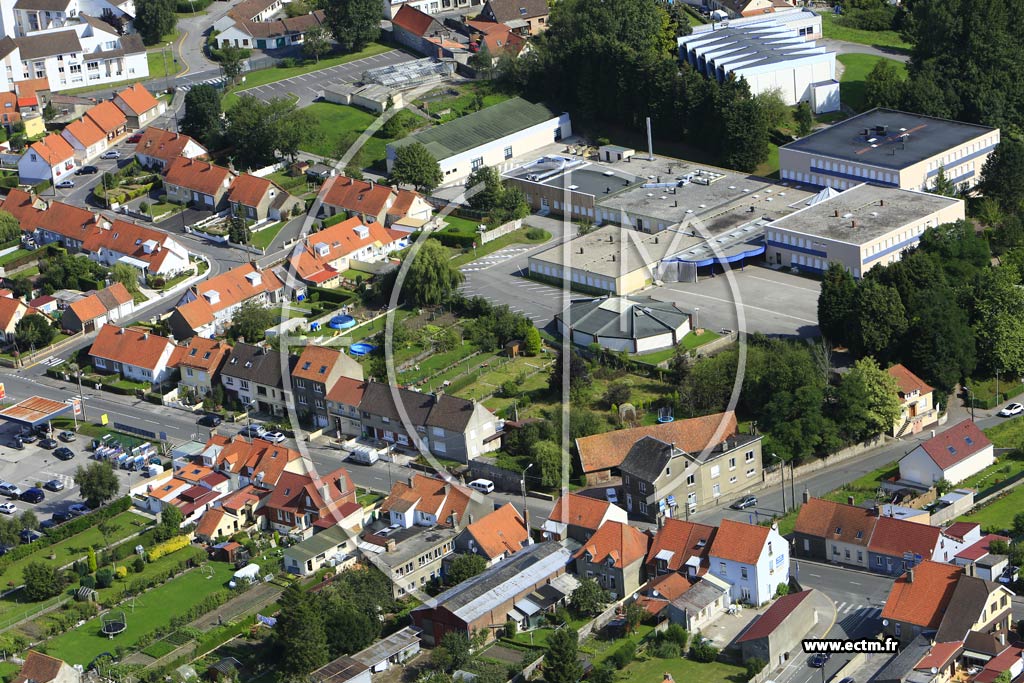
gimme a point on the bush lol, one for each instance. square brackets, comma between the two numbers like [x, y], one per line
[754, 667]
[138, 564]
[666, 650]
[510, 629]
[168, 547]
[121, 571]
[535, 234]
[87, 581]
[104, 578]
[288, 63]
[675, 633]
[623, 655]
[703, 651]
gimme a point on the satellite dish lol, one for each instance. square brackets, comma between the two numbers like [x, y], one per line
[885, 622]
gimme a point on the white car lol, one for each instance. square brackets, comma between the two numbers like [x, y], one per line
[253, 431]
[611, 495]
[111, 154]
[8, 489]
[65, 184]
[1011, 409]
[8, 508]
[273, 437]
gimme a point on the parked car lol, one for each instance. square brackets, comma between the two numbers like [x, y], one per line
[819, 659]
[33, 495]
[66, 184]
[54, 485]
[9, 490]
[29, 535]
[111, 154]
[67, 436]
[48, 443]
[274, 437]
[210, 420]
[78, 509]
[611, 495]
[8, 508]
[255, 431]
[48, 524]
[87, 170]
[29, 437]
[18, 442]
[744, 503]
[64, 453]
[482, 485]
[61, 516]
[1011, 409]
[136, 136]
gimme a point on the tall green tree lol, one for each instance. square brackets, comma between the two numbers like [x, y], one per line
[42, 580]
[10, 227]
[354, 23]
[561, 661]
[837, 303]
[415, 165]
[940, 342]
[465, 566]
[942, 184]
[883, 86]
[300, 640]
[1002, 175]
[202, 114]
[251, 321]
[127, 275]
[589, 599]
[458, 646]
[348, 628]
[867, 401]
[431, 278]
[97, 482]
[999, 320]
[486, 187]
[154, 19]
[316, 42]
[880, 319]
[804, 118]
[34, 331]
[231, 61]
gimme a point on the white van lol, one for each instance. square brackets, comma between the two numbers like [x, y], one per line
[482, 485]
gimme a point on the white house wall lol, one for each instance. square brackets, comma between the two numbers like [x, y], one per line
[794, 79]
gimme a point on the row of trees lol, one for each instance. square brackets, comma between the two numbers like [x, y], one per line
[499, 200]
[615, 63]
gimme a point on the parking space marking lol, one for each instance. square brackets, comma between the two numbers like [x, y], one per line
[783, 284]
[731, 302]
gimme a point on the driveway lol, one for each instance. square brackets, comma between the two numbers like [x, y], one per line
[307, 87]
[843, 47]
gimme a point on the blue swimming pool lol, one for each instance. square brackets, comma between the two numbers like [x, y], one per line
[342, 322]
[361, 349]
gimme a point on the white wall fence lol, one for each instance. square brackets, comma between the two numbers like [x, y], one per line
[500, 231]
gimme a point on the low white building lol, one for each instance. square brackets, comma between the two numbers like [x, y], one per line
[489, 137]
[953, 455]
[772, 52]
[752, 559]
[52, 158]
[622, 324]
[331, 547]
[391, 7]
[134, 353]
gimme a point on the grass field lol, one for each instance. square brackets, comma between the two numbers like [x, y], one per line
[491, 379]
[855, 72]
[984, 391]
[152, 610]
[832, 28]
[265, 76]
[462, 103]
[690, 341]
[517, 237]
[336, 122]
[999, 515]
[654, 669]
[264, 237]
[1009, 434]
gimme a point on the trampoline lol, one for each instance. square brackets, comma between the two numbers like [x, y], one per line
[361, 349]
[114, 623]
[342, 322]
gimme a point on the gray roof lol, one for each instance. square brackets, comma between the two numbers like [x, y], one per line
[865, 213]
[511, 578]
[319, 543]
[623, 318]
[387, 647]
[479, 128]
[447, 412]
[966, 606]
[647, 458]
[46, 44]
[928, 137]
[702, 594]
[255, 364]
[42, 5]
[7, 46]
[340, 670]
[899, 667]
[511, 10]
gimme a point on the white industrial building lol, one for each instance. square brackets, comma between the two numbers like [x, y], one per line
[621, 324]
[490, 137]
[771, 52]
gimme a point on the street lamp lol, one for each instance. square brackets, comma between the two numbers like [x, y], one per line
[696, 318]
[522, 483]
[782, 474]
[970, 397]
[997, 385]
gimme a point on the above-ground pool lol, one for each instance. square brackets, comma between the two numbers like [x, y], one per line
[342, 322]
[361, 349]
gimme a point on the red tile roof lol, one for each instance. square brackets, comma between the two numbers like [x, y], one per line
[995, 666]
[908, 381]
[317, 253]
[621, 542]
[209, 522]
[940, 655]
[433, 496]
[956, 444]
[130, 346]
[921, 597]
[980, 548]
[86, 132]
[684, 540]
[292, 491]
[739, 541]
[315, 363]
[836, 521]
[897, 536]
[403, 202]
[88, 308]
[773, 618]
[358, 196]
[53, 149]
[199, 176]
[412, 20]
[347, 391]
[130, 239]
[502, 531]
[669, 586]
[163, 144]
[248, 190]
[107, 117]
[233, 287]
[39, 668]
[138, 99]
[199, 352]
[607, 450]
[582, 511]
[9, 309]
[960, 530]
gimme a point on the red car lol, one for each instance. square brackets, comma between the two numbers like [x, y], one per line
[136, 136]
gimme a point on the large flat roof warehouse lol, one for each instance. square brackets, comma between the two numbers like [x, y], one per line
[888, 138]
[33, 411]
[481, 127]
[863, 213]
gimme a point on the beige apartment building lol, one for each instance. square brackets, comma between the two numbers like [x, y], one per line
[889, 148]
[863, 227]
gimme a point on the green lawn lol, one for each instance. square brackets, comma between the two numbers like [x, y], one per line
[17, 253]
[292, 184]
[161, 65]
[770, 167]
[1009, 434]
[152, 610]
[264, 237]
[832, 28]
[338, 121]
[855, 72]
[984, 391]
[272, 75]
[516, 237]
[465, 102]
[999, 515]
[654, 669]
[460, 226]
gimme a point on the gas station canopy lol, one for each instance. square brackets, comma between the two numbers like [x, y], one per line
[34, 411]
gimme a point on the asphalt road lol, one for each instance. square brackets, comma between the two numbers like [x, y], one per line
[307, 87]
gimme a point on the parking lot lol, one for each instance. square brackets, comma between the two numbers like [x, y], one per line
[307, 87]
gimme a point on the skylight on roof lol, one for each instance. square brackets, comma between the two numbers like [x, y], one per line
[969, 440]
[951, 450]
[323, 369]
[305, 366]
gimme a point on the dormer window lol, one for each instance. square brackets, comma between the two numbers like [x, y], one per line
[610, 561]
[860, 535]
[839, 530]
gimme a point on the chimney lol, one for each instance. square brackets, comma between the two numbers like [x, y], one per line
[145, 336]
[806, 496]
[661, 520]
[469, 518]
[969, 569]
[675, 202]
[453, 519]
[910, 575]
[325, 492]
[389, 545]
[409, 481]
[613, 258]
[850, 500]
[120, 330]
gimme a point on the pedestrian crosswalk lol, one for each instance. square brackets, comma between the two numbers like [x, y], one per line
[850, 607]
[51, 361]
[495, 258]
[216, 82]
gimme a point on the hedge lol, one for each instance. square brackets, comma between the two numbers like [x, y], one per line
[334, 296]
[454, 240]
[168, 547]
[57, 534]
[186, 7]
